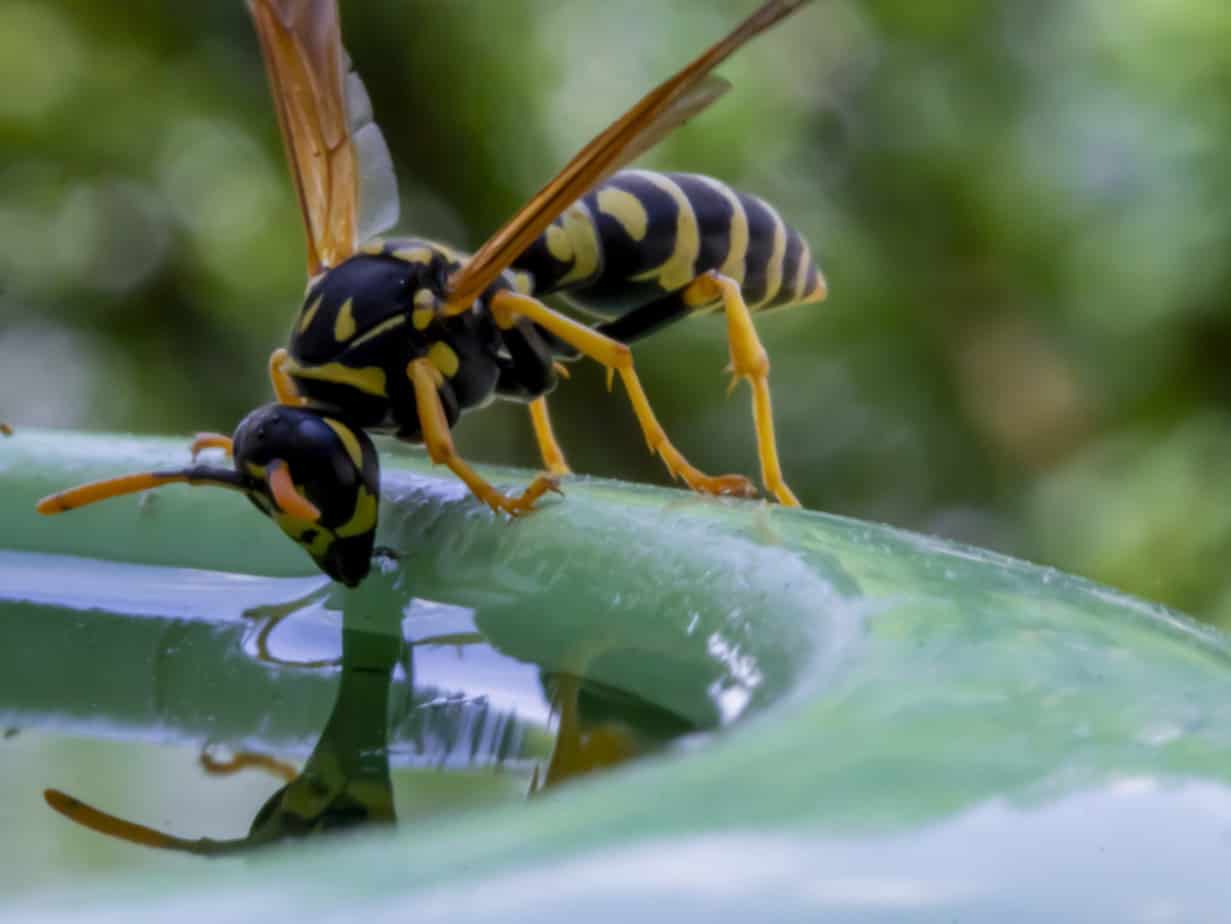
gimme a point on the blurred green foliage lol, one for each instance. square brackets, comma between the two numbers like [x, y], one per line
[1022, 208]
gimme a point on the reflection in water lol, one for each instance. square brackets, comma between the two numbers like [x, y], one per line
[581, 747]
[451, 672]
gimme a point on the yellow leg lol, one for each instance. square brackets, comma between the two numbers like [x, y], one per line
[748, 361]
[553, 455]
[284, 386]
[203, 441]
[5, 429]
[262, 644]
[616, 356]
[581, 747]
[271, 617]
[439, 441]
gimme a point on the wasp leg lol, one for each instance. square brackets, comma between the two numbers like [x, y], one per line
[284, 386]
[262, 645]
[531, 373]
[553, 455]
[271, 617]
[5, 429]
[203, 441]
[617, 357]
[748, 361]
[440, 449]
[646, 320]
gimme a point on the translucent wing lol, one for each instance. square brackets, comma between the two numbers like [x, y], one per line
[658, 112]
[339, 161]
[378, 184]
[689, 104]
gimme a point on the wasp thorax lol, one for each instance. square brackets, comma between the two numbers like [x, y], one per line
[355, 305]
[332, 474]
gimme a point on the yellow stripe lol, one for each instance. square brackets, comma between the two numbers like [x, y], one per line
[425, 309]
[305, 320]
[575, 240]
[452, 254]
[364, 517]
[344, 323]
[382, 328]
[322, 538]
[625, 208]
[349, 440]
[522, 282]
[819, 291]
[801, 275]
[558, 244]
[442, 356]
[773, 270]
[369, 379]
[373, 248]
[680, 268]
[733, 266]
[414, 254]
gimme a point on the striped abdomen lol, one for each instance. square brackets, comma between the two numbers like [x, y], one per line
[641, 236]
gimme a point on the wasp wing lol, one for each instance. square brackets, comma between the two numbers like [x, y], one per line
[689, 104]
[662, 109]
[339, 161]
[378, 184]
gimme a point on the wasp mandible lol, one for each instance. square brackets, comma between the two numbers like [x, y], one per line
[404, 334]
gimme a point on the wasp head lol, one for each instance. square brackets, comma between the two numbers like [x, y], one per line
[314, 475]
[318, 478]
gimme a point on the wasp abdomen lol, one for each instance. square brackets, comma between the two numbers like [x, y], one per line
[640, 236]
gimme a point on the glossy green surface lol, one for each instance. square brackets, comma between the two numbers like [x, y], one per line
[908, 729]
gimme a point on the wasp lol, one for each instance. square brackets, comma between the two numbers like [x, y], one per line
[403, 335]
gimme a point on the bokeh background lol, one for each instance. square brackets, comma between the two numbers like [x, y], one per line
[1023, 209]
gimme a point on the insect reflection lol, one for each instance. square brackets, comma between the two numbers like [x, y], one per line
[346, 783]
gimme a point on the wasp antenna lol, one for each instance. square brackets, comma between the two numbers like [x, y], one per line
[95, 491]
[286, 496]
[87, 816]
[248, 760]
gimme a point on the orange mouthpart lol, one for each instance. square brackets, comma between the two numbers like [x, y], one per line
[288, 499]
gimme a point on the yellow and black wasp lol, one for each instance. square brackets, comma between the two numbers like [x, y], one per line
[405, 334]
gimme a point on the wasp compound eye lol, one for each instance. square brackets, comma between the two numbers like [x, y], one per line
[318, 478]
